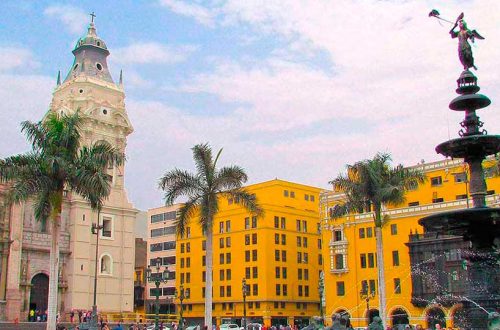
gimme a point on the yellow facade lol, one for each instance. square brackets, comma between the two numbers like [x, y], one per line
[139, 281]
[259, 250]
[443, 191]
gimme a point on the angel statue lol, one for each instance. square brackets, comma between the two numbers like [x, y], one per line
[464, 48]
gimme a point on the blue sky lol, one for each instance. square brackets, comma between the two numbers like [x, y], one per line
[292, 89]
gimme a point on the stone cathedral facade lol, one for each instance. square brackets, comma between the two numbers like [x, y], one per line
[24, 242]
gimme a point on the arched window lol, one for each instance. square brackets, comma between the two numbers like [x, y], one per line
[106, 264]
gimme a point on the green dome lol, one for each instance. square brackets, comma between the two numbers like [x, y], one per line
[91, 39]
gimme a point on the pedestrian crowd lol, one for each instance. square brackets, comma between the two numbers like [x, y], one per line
[37, 315]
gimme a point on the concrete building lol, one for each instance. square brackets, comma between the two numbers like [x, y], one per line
[89, 89]
[161, 246]
[351, 265]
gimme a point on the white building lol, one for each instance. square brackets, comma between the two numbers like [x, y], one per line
[89, 89]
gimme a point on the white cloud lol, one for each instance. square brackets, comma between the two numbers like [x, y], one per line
[17, 58]
[24, 97]
[134, 80]
[72, 17]
[392, 76]
[199, 13]
[152, 53]
[388, 60]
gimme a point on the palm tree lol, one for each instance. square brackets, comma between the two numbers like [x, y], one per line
[203, 191]
[368, 186]
[57, 162]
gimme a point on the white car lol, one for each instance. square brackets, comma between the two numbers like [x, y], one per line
[152, 327]
[230, 326]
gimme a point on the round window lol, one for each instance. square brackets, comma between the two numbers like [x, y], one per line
[99, 66]
[105, 111]
[81, 91]
[75, 67]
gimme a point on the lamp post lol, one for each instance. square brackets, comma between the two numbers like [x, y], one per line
[364, 294]
[321, 292]
[157, 279]
[244, 289]
[182, 294]
[95, 229]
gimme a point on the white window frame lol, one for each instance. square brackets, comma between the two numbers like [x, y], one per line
[110, 273]
[101, 222]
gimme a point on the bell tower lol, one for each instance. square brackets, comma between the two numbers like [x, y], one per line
[90, 89]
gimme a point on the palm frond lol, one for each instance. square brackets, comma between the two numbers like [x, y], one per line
[35, 134]
[185, 213]
[104, 154]
[342, 209]
[41, 206]
[22, 190]
[230, 177]
[94, 185]
[202, 155]
[64, 132]
[249, 201]
[177, 183]
[374, 182]
[15, 166]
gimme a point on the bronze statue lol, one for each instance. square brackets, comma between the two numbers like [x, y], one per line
[464, 48]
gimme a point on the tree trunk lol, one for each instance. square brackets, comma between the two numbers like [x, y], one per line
[380, 264]
[54, 273]
[209, 284]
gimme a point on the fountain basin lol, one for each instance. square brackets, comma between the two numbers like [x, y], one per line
[470, 146]
[469, 102]
[479, 225]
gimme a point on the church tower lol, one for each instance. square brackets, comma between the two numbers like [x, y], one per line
[90, 89]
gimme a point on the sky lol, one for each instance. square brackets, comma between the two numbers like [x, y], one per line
[290, 89]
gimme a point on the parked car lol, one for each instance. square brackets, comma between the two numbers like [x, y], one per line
[254, 326]
[165, 327]
[230, 326]
[193, 327]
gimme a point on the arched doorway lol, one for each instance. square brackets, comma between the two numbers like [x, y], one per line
[399, 317]
[434, 316]
[39, 294]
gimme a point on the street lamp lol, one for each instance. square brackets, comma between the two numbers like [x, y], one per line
[157, 278]
[182, 294]
[321, 291]
[244, 289]
[95, 229]
[364, 294]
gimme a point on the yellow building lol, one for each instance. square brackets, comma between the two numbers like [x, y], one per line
[279, 256]
[350, 262]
